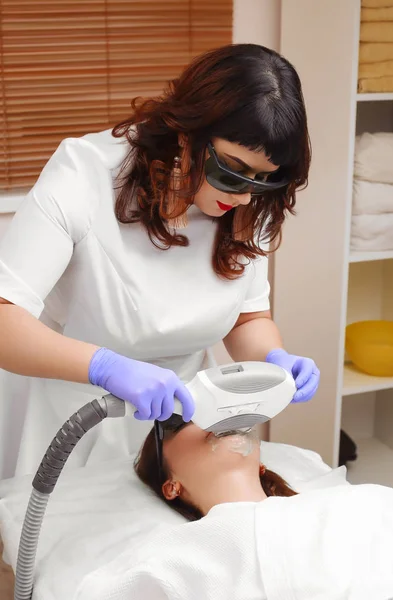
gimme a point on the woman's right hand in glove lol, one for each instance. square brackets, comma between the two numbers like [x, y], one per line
[150, 389]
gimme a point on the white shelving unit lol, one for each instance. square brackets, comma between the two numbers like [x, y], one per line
[357, 256]
[369, 295]
[356, 382]
[374, 97]
[373, 465]
[320, 285]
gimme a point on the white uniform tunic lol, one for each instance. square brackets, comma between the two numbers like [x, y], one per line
[67, 260]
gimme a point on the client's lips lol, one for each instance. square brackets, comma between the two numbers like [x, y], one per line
[224, 206]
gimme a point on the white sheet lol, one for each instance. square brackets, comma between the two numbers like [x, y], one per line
[330, 544]
[370, 198]
[374, 157]
[97, 513]
[372, 232]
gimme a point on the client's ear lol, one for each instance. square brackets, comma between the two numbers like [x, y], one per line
[171, 489]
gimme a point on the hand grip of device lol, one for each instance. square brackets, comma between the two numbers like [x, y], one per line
[129, 409]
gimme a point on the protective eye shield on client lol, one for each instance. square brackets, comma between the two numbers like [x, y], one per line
[228, 399]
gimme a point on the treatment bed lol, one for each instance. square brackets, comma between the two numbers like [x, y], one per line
[99, 511]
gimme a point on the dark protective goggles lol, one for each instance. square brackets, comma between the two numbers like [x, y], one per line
[221, 177]
[163, 430]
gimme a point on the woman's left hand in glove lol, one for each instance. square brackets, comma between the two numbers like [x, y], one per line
[304, 371]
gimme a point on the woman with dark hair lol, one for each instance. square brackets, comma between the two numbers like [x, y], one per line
[146, 245]
[224, 469]
[252, 536]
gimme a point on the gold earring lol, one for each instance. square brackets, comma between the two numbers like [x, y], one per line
[179, 180]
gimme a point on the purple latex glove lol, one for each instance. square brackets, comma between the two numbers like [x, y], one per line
[304, 371]
[150, 389]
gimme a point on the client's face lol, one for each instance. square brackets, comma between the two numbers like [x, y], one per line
[199, 461]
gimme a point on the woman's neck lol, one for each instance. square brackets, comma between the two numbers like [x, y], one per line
[236, 486]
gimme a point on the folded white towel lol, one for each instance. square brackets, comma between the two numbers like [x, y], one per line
[372, 232]
[374, 157]
[328, 544]
[371, 198]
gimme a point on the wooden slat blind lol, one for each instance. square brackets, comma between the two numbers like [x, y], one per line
[69, 67]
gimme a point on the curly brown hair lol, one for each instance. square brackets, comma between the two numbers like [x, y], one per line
[243, 93]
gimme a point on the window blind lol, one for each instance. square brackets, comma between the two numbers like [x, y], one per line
[69, 67]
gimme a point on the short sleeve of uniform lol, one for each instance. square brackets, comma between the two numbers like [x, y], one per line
[54, 216]
[257, 296]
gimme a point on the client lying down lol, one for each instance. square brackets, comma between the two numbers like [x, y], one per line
[251, 536]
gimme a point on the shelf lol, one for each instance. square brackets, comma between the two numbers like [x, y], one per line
[358, 256]
[356, 382]
[374, 463]
[374, 97]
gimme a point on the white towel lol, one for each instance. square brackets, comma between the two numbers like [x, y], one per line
[328, 544]
[374, 157]
[370, 198]
[372, 232]
[212, 559]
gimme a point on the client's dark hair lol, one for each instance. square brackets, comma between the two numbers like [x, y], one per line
[146, 467]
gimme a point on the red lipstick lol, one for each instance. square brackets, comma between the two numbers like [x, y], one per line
[225, 207]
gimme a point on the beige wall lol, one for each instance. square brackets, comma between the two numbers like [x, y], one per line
[257, 22]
